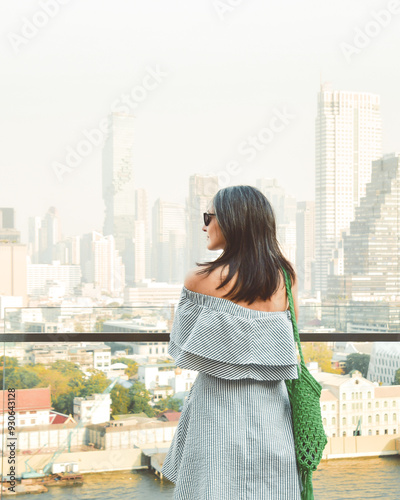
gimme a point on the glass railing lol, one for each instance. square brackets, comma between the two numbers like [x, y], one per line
[91, 397]
[380, 318]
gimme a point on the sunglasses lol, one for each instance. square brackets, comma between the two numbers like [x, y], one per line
[207, 218]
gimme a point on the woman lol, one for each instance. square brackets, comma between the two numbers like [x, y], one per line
[234, 439]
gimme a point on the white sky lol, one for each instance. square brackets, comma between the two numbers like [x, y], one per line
[224, 79]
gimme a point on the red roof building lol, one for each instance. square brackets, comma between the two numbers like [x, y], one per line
[31, 406]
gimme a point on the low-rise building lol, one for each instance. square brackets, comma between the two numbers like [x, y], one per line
[94, 409]
[32, 406]
[352, 405]
[117, 370]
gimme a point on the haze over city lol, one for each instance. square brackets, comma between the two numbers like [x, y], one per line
[224, 74]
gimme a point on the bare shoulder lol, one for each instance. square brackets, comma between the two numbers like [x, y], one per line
[193, 280]
[201, 283]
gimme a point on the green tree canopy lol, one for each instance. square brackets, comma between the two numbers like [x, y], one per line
[168, 403]
[120, 400]
[9, 362]
[139, 400]
[397, 377]
[357, 361]
[96, 384]
[22, 377]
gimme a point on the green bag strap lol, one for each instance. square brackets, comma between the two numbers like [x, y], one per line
[291, 308]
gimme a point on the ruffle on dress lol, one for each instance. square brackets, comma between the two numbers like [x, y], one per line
[221, 338]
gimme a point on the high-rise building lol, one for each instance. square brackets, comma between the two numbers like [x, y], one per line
[202, 189]
[7, 218]
[118, 187]
[13, 270]
[68, 250]
[348, 139]
[44, 234]
[284, 207]
[371, 248]
[305, 245]
[101, 263]
[142, 244]
[139, 248]
[169, 241]
[368, 274]
[34, 226]
[7, 226]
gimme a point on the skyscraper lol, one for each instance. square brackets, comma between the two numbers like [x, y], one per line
[142, 236]
[68, 250]
[202, 189]
[118, 187]
[13, 270]
[348, 139]
[370, 251]
[372, 247]
[139, 249]
[7, 226]
[169, 241]
[12, 258]
[305, 245]
[44, 234]
[34, 226]
[101, 263]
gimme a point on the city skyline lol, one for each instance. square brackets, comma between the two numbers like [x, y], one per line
[204, 98]
[120, 122]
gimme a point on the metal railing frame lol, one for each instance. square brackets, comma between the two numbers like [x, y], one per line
[165, 337]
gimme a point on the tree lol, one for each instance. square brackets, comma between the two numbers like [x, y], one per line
[22, 377]
[120, 400]
[96, 384]
[66, 368]
[9, 362]
[397, 377]
[139, 400]
[319, 351]
[98, 327]
[357, 361]
[65, 402]
[168, 403]
[56, 380]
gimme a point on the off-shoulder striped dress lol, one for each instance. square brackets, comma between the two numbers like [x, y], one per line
[234, 439]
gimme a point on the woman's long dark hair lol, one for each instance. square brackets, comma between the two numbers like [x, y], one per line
[247, 222]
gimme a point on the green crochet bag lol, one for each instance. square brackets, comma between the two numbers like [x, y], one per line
[304, 395]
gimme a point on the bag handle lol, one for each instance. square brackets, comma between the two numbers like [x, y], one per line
[291, 308]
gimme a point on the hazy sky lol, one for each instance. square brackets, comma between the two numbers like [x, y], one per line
[224, 71]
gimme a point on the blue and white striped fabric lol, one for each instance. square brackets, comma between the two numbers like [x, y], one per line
[234, 439]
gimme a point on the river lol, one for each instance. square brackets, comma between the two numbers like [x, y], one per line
[347, 479]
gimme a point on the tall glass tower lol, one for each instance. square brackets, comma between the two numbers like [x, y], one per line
[348, 139]
[118, 187]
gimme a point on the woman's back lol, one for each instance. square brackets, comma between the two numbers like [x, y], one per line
[207, 285]
[235, 439]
